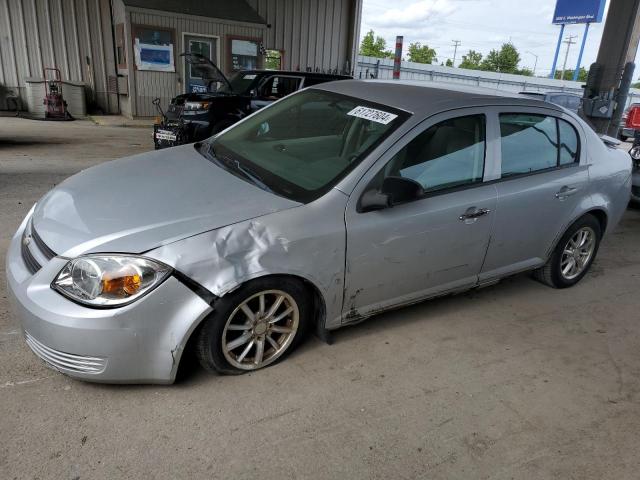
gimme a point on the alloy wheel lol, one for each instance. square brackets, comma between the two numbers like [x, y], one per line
[577, 253]
[260, 329]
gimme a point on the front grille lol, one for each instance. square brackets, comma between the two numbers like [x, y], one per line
[32, 264]
[66, 361]
[46, 251]
[32, 242]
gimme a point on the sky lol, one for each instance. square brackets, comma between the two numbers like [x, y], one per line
[481, 25]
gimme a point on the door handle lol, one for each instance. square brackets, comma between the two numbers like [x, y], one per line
[474, 214]
[565, 192]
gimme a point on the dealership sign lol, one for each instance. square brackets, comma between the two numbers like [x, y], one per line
[578, 11]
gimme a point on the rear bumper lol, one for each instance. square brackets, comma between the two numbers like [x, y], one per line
[138, 343]
[627, 132]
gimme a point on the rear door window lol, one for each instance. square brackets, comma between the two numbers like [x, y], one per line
[532, 142]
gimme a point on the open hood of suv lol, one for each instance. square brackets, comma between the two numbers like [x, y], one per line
[205, 68]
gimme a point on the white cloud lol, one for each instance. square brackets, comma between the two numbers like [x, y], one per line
[481, 25]
[413, 14]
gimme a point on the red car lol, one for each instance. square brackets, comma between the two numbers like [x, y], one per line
[631, 122]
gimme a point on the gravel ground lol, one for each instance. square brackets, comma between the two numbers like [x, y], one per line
[513, 381]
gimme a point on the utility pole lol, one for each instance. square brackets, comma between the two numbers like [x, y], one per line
[456, 44]
[535, 63]
[606, 90]
[569, 41]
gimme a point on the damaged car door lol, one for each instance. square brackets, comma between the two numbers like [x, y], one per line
[402, 246]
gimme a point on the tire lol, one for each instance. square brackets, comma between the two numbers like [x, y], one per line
[215, 338]
[552, 273]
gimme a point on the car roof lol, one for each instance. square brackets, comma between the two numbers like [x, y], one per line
[428, 98]
[298, 74]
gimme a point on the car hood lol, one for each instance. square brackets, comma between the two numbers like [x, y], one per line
[141, 202]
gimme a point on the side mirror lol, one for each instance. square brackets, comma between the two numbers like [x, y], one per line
[401, 189]
[394, 190]
[374, 200]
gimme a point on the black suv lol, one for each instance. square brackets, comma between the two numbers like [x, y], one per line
[195, 116]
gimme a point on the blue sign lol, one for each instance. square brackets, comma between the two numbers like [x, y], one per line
[578, 11]
[158, 57]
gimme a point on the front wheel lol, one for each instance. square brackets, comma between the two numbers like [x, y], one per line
[573, 255]
[254, 326]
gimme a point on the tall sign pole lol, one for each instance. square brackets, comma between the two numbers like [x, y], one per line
[397, 59]
[584, 40]
[572, 12]
[555, 57]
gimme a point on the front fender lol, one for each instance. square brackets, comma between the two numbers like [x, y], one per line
[306, 242]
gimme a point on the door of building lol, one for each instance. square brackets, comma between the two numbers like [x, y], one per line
[206, 46]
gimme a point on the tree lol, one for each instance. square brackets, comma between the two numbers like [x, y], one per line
[373, 46]
[504, 60]
[527, 72]
[449, 63]
[421, 53]
[471, 60]
[568, 75]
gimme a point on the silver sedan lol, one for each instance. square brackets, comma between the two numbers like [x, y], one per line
[327, 207]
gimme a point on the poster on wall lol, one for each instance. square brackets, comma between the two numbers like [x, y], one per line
[152, 57]
[244, 54]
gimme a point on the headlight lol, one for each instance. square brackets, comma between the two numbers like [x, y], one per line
[196, 106]
[109, 280]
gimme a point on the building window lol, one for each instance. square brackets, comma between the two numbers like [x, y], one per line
[273, 60]
[243, 53]
[153, 48]
[120, 46]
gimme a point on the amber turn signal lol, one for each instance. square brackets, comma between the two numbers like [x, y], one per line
[125, 282]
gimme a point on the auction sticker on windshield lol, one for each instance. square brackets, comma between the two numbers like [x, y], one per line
[372, 114]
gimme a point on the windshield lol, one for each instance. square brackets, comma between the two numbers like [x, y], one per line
[301, 146]
[240, 83]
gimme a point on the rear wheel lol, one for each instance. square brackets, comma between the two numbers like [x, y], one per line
[573, 255]
[255, 326]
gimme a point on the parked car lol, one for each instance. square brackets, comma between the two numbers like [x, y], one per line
[196, 116]
[630, 122]
[570, 101]
[329, 206]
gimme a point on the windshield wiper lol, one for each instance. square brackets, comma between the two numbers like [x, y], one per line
[232, 164]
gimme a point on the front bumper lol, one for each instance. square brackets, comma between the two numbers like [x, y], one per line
[138, 343]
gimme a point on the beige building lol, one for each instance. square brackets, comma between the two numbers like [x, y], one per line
[127, 52]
